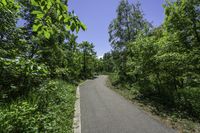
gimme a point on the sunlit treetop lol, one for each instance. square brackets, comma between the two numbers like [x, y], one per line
[50, 16]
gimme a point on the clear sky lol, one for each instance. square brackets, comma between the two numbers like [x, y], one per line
[97, 15]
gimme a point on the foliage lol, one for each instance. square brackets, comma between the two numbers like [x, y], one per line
[187, 99]
[23, 74]
[126, 26]
[88, 59]
[163, 63]
[44, 45]
[43, 48]
[123, 29]
[17, 118]
[49, 109]
[108, 64]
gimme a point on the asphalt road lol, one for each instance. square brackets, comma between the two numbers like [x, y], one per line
[104, 111]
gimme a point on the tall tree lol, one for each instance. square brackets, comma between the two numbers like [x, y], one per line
[124, 29]
[127, 25]
[88, 58]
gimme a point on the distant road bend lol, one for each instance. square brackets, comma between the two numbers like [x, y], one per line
[104, 111]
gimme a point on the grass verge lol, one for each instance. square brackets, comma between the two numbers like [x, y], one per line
[172, 118]
[49, 108]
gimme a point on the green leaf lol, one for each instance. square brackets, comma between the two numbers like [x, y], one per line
[36, 27]
[36, 12]
[66, 19]
[42, 7]
[34, 3]
[73, 26]
[58, 12]
[60, 17]
[4, 2]
[58, 1]
[83, 27]
[64, 7]
[46, 34]
[49, 4]
[68, 27]
[13, 87]
[40, 15]
[77, 29]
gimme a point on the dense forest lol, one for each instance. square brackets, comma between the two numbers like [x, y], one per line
[162, 63]
[40, 65]
[41, 62]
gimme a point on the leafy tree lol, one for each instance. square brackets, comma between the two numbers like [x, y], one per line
[88, 58]
[10, 45]
[73, 58]
[127, 25]
[99, 66]
[31, 52]
[184, 13]
[108, 62]
[124, 29]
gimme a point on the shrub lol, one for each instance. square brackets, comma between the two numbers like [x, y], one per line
[188, 100]
[19, 117]
[48, 109]
[18, 75]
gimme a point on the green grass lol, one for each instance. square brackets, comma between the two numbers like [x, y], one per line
[175, 119]
[49, 108]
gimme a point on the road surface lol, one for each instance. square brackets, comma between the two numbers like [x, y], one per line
[104, 111]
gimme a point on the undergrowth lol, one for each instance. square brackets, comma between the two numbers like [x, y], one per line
[50, 108]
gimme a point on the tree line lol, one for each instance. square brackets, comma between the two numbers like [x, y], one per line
[162, 63]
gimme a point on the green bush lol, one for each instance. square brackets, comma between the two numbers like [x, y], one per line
[188, 100]
[18, 76]
[49, 109]
[19, 117]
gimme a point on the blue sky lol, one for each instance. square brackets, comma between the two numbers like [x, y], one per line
[97, 15]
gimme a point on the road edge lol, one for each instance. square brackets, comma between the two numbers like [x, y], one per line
[77, 113]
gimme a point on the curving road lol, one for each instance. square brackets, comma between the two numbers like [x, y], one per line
[104, 111]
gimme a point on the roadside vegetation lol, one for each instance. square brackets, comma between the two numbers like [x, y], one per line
[174, 118]
[158, 66]
[41, 64]
[48, 109]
